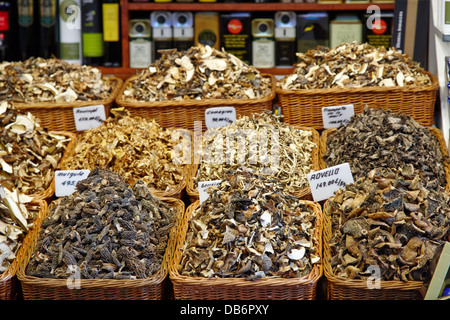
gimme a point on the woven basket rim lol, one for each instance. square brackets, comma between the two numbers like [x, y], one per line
[87, 284]
[69, 105]
[192, 191]
[200, 282]
[355, 283]
[376, 89]
[193, 102]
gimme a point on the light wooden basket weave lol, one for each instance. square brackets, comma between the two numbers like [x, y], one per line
[305, 193]
[8, 280]
[59, 116]
[153, 288]
[199, 288]
[339, 288]
[304, 106]
[182, 114]
[436, 133]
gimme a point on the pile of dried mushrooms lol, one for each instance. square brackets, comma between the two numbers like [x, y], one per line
[52, 80]
[354, 65]
[29, 154]
[136, 148]
[104, 230]
[200, 72]
[382, 138]
[390, 219]
[262, 143]
[250, 228]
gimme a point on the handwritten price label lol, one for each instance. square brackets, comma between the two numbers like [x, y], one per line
[324, 183]
[336, 116]
[219, 117]
[66, 180]
[89, 117]
[203, 186]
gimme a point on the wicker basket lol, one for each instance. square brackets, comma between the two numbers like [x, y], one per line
[344, 289]
[182, 114]
[8, 281]
[59, 116]
[152, 288]
[305, 193]
[304, 106]
[436, 132]
[198, 288]
[176, 191]
[48, 193]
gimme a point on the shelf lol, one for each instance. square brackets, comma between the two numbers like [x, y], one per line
[274, 6]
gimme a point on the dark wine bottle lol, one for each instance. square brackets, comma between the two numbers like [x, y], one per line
[111, 33]
[27, 38]
[47, 18]
[92, 34]
[5, 10]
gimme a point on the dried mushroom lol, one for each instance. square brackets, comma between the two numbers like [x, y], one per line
[52, 80]
[29, 154]
[16, 218]
[391, 219]
[354, 65]
[104, 230]
[134, 147]
[200, 72]
[262, 143]
[382, 138]
[250, 228]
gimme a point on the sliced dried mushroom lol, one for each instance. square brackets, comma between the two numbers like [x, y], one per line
[354, 65]
[390, 219]
[200, 72]
[382, 138]
[250, 228]
[29, 154]
[136, 148]
[265, 145]
[50, 80]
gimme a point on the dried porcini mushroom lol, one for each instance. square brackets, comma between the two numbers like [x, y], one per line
[391, 219]
[354, 65]
[104, 230]
[262, 143]
[250, 228]
[52, 80]
[200, 72]
[136, 148]
[16, 218]
[29, 154]
[382, 138]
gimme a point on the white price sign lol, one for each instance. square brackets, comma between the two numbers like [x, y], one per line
[220, 117]
[324, 183]
[66, 180]
[335, 116]
[203, 186]
[89, 117]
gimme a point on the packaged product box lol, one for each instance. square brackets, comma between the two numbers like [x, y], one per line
[378, 32]
[312, 30]
[207, 29]
[345, 29]
[236, 34]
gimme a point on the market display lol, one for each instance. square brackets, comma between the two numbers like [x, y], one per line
[200, 72]
[105, 229]
[250, 228]
[391, 219]
[136, 148]
[353, 65]
[29, 154]
[263, 143]
[381, 138]
[51, 80]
